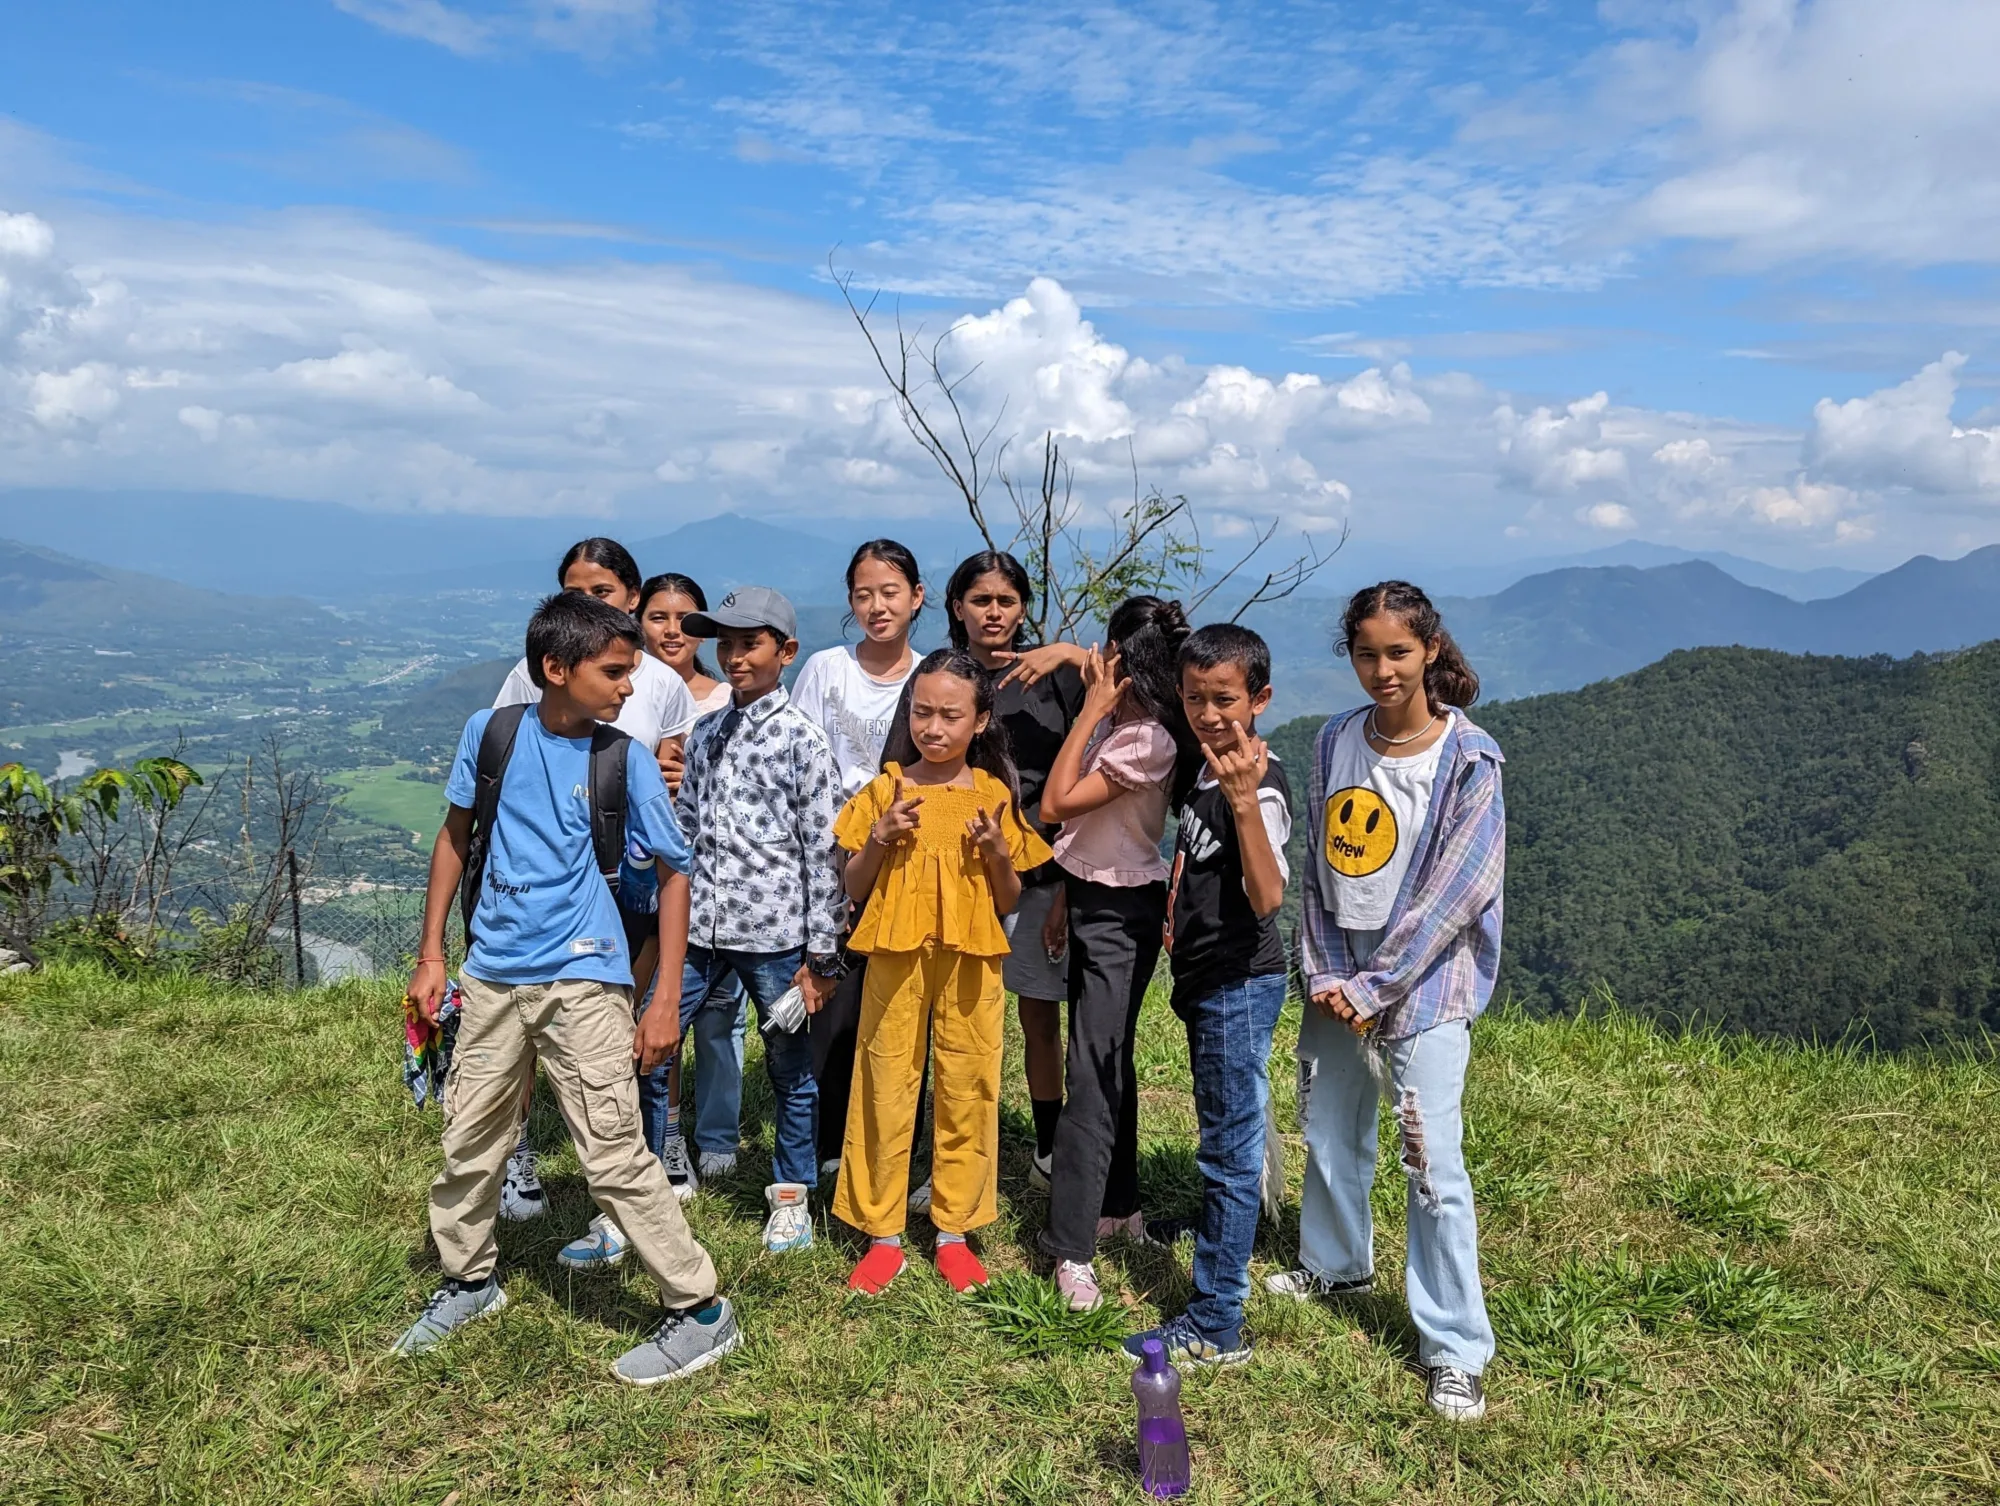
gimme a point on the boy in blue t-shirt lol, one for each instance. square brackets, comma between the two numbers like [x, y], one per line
[548, 972]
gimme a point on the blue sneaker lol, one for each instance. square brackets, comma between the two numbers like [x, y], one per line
[602, 1248]
[452, 1306]
[1188, 1345]
[790, 1225]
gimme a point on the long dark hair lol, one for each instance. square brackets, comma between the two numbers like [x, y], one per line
[898, 558]
[606, 554]
[989, 749]
[1448, 680]
[688, 586]
[986, 562]
[1148, 633]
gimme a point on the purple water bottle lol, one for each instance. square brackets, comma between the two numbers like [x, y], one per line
[1163, 1449]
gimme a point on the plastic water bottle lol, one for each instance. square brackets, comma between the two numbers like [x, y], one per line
[1163, 1449]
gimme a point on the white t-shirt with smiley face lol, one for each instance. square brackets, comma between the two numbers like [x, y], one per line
[1367, 830]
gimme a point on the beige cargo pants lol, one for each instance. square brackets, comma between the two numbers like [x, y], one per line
[582, 1031]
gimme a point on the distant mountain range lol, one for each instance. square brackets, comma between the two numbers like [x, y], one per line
[1566, 628]
[58, 597]
[337, 554]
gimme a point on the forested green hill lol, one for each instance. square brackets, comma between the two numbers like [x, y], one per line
[1792, 846]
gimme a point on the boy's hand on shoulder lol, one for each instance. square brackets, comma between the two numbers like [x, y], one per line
[895, 824]
[426, 990]
[1239, 766]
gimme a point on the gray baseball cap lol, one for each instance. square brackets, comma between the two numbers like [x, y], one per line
[745, 607]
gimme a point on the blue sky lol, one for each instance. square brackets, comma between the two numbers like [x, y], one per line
[1481, 279]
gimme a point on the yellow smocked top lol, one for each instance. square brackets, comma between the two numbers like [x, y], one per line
[933, 887]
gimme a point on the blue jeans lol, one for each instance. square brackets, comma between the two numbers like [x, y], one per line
[1338, 1094]
[718, 1077]
[787, 1055]
[1229, 1047]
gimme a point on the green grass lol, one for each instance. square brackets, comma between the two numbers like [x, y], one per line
[211, 1206]
[380, 794]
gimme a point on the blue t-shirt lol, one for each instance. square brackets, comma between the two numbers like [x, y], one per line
[544, 910]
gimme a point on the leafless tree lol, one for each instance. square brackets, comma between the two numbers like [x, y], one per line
[1152, 543]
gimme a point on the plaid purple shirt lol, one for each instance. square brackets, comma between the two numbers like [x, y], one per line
[1439, 955]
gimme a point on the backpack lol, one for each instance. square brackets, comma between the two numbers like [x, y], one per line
[607, 802]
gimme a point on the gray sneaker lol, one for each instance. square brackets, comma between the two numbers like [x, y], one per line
[718, 1163]
[689, 1340]
[452, 1305]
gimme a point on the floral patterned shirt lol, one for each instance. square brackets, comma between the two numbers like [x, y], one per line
[757, 804]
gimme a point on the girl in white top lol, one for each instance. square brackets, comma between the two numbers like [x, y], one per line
[664, 601]
[853, 693]
[660, 711]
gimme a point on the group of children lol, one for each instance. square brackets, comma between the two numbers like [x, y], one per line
[877, 856]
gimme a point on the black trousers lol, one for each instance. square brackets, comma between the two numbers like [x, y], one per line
[833, 1034]
[1114, 945]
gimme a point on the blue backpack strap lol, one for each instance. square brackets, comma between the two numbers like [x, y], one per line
[496, 747]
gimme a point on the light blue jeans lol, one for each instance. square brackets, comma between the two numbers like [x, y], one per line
[1338, 1097]
[718, 1077]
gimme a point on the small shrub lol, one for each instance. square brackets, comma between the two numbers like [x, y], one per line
[1734, 1207]
[99, 939]
[1032, 1318]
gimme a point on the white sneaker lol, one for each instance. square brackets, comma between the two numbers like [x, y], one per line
[680, 1168]
[829, 1168]
[1456, 1395]
[1040, 1170]
[603, 1247]
[718, 1163]
[521, 1195]
[920, 1198]
[790, 1225]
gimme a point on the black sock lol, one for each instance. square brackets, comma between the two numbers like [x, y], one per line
[1047, 1112]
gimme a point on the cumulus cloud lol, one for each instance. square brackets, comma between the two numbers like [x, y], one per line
[1904, 436]
[1840, 127]
[1554, 451]
[325, 358]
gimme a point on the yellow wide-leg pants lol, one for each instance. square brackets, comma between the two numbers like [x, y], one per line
[953, 1004]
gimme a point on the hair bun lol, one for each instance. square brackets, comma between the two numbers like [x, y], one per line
[1173, 619]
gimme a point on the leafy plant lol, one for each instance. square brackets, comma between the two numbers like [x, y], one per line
[1032, 1318]
[1560, 1334]
[1732, 1206]
[37, 816]
[1716, 1293]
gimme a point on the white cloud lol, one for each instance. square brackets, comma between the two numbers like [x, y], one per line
[1840, 127]
[204, 421]
[426, 21]
[1549, 451]
[591, 28]
[1612, 516]
[84, 394]
[1800, 504]
[1904, 436]
[364, 373]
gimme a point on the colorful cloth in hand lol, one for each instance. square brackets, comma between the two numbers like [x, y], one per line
[427, 1047]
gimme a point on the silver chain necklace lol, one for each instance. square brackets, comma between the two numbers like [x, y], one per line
[1374, 730]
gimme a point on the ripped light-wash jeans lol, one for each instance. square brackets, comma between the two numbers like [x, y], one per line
[1338, 1098]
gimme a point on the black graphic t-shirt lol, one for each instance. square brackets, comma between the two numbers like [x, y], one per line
[1214, 938]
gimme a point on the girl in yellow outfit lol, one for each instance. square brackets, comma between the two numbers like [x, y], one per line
[938, 848]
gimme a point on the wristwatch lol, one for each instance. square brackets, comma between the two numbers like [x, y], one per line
[829, 965]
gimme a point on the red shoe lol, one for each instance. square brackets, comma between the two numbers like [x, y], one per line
[880, 1266]
[958, 1265]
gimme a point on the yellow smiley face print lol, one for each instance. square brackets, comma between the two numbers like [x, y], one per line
[1360, 831]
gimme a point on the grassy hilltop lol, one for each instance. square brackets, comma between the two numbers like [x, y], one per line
[1722, 1270]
